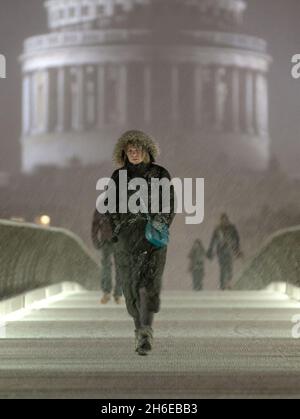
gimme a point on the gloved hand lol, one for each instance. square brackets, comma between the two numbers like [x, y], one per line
[115, 239]
[98, 244]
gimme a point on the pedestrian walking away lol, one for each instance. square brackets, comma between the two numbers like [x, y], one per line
[225, 243]
[102, 240]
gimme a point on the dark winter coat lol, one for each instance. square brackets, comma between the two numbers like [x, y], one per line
[197, 257]
[225, 242]
[143, 170]
[101, 230]
[141, 264]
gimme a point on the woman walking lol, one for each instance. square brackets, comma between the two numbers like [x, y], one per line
[141, 260]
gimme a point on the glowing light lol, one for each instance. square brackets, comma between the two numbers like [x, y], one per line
[44, 220]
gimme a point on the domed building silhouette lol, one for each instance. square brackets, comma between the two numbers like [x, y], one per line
[181, 70]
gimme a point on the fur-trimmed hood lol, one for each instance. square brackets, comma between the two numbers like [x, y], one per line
[136, 138]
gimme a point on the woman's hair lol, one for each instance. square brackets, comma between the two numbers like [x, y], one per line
[147, 159]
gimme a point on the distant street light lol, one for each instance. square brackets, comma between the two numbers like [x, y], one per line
[43, 220]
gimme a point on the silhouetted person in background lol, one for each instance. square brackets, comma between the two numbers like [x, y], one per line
[102, 240]
[226, 244]
[197, 264]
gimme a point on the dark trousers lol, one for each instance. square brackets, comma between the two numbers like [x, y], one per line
[226, 270]
[141, 269]
[198, 276]
[106, 271]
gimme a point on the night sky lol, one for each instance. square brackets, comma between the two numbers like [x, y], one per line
[277, 21]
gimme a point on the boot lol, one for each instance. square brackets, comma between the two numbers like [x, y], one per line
[118, 300]
[144, 340]
[106, 298]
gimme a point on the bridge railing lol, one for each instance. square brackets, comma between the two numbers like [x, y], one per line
[277, 262]
[33, 257]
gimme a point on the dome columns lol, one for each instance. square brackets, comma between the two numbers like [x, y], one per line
[64, 99]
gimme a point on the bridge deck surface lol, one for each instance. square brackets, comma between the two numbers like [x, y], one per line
[209, 344]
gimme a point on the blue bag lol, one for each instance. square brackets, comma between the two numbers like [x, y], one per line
[157, 237]
[156, 233]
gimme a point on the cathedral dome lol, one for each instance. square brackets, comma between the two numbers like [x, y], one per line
[180, 69]
[89, 14]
